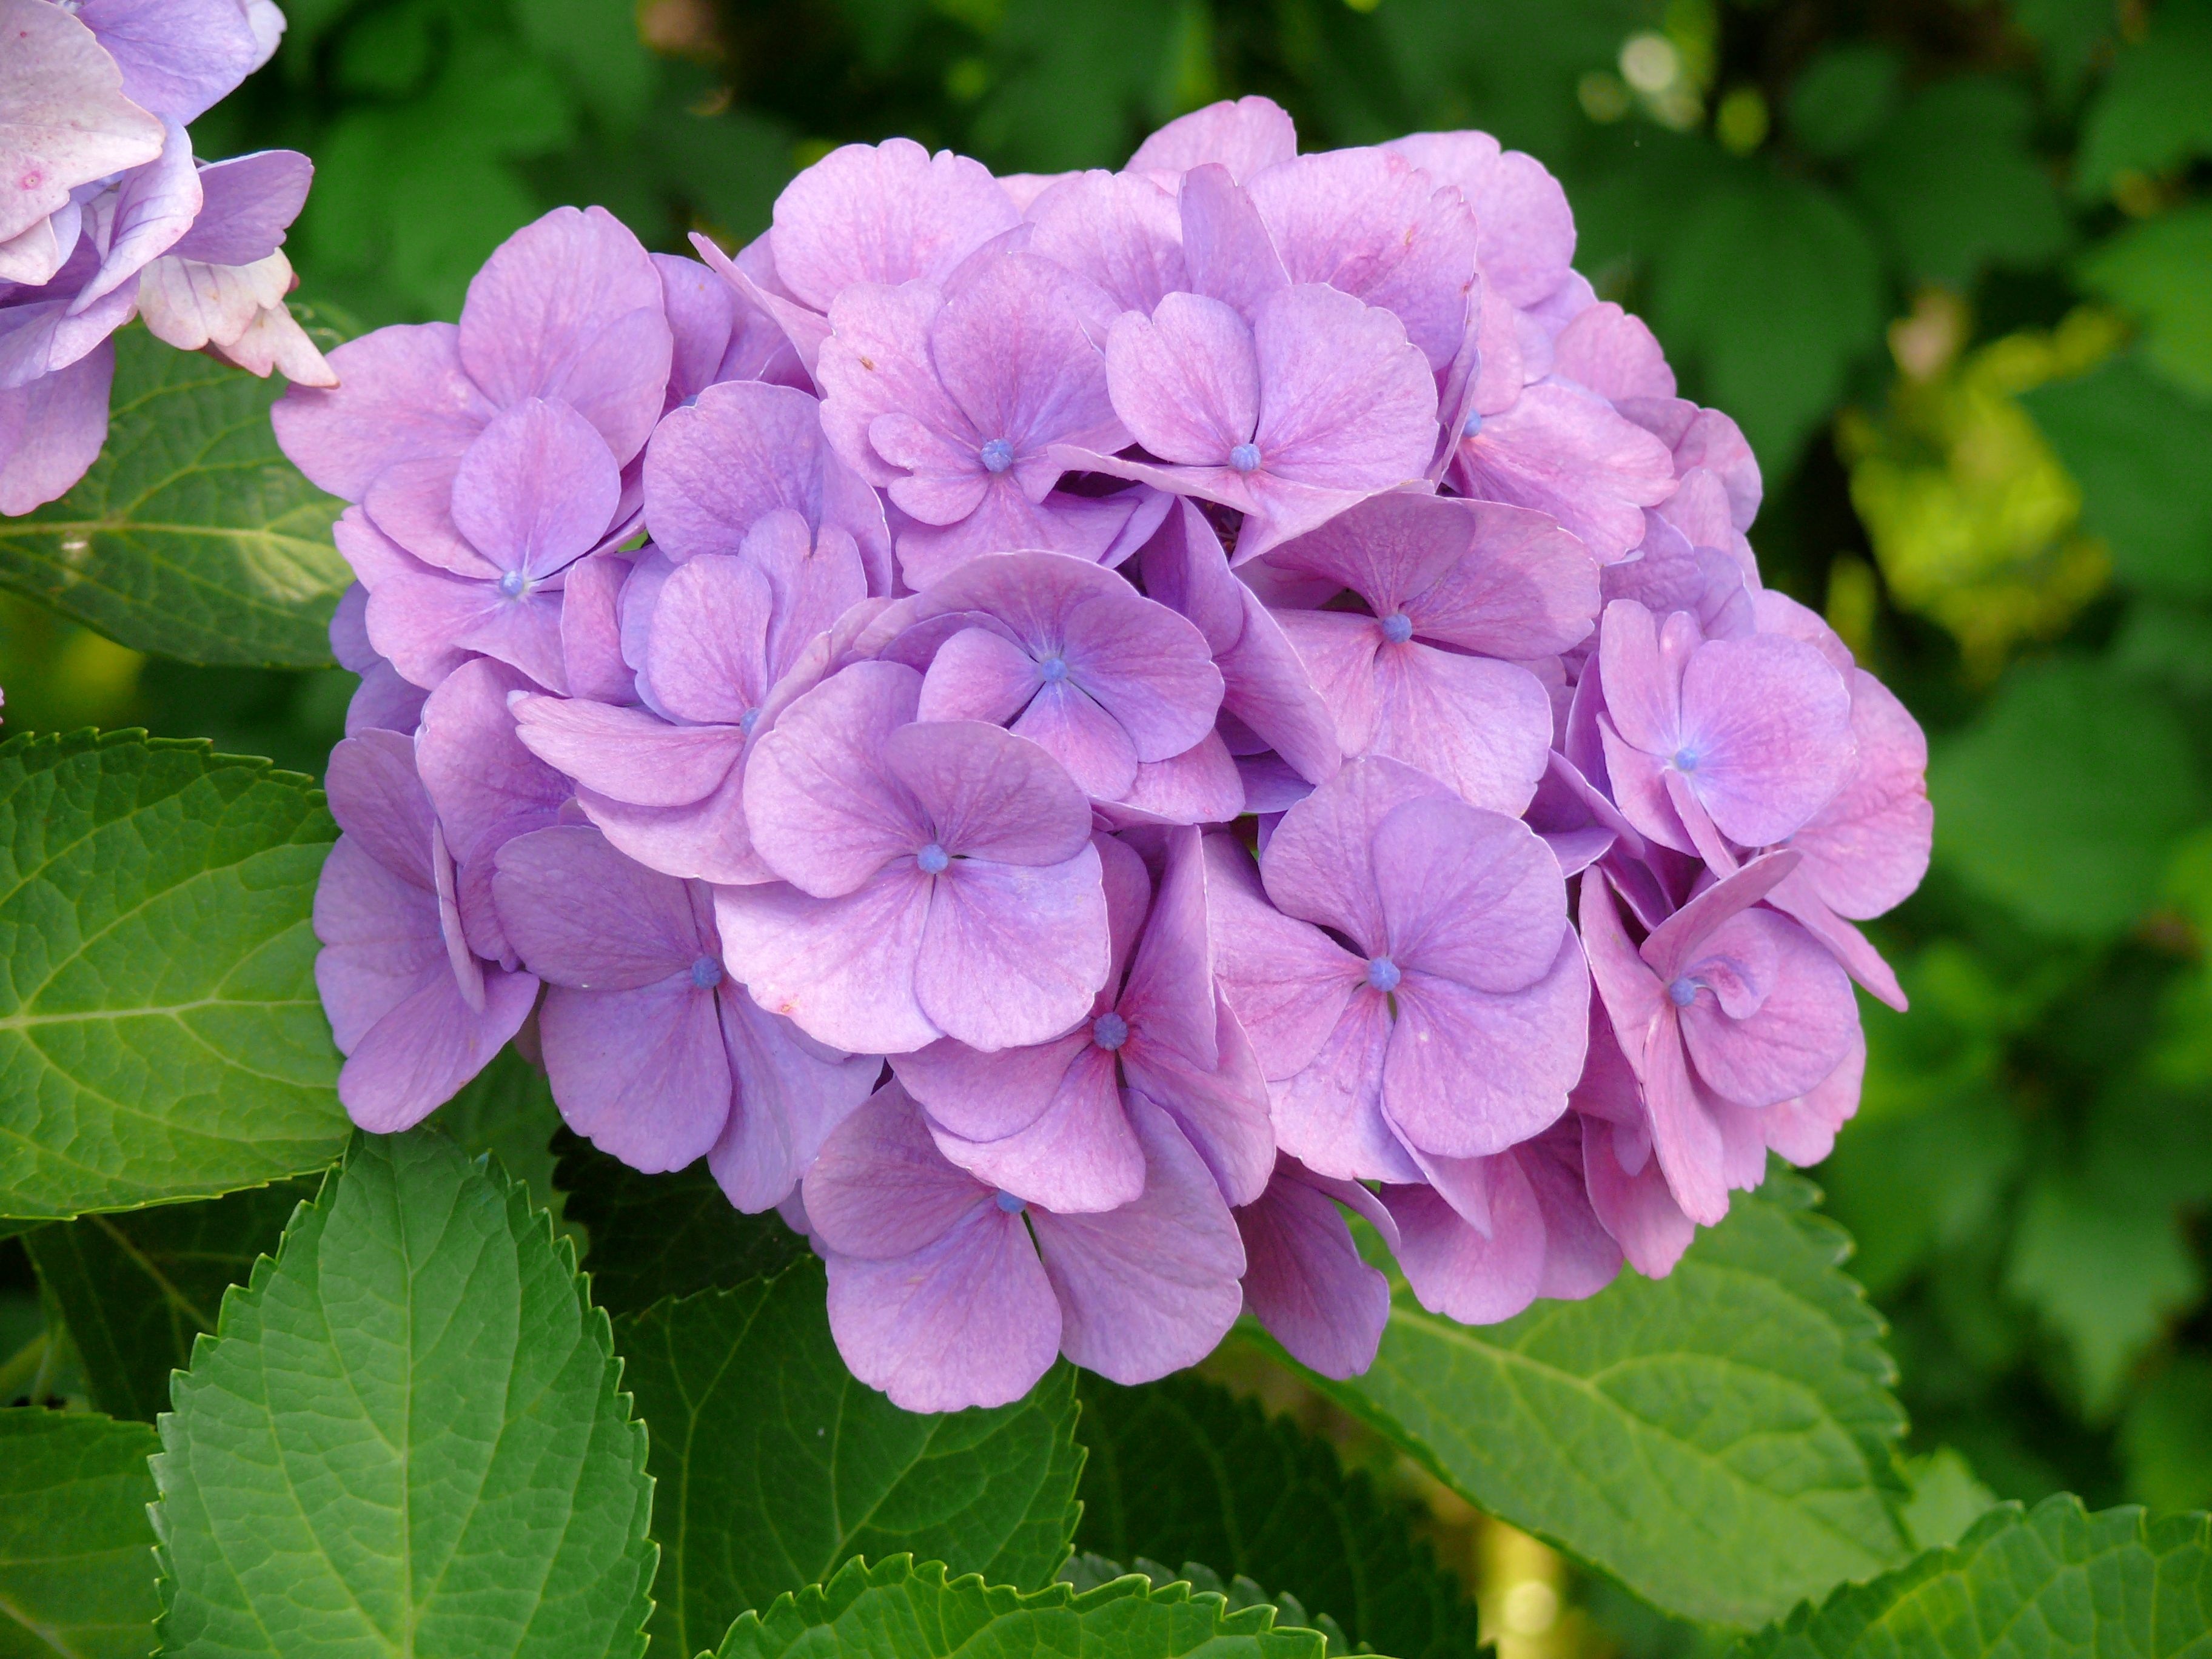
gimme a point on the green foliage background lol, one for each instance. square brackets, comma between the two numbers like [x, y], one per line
[1949, 262]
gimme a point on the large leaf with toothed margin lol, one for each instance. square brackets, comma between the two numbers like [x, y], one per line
[77, 1557]
[1720, 1440]
[161, 1038]
[406, 1436]
[774, 1466]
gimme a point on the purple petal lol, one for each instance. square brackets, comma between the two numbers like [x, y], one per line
[591, 628]
[248, 202]
[179, 58]
[1225, 244]
[1528, 230]
[1186, 381]
[978, 675]
[1348, 403]
[626, 753]
[1318, 864]
[402, 396]
[418, 1056]
[1635, 1206]
[1121, 230]
[51, 430]
[1567, 453]
[1867, 849]
[1150, 1287]
[1797, 1033]
[824, 808]
[583, 915]
[1092, 746]
[379, 801]
[702, 312]
[988, 1097]
[888, 214]
[1012, 954]
[1528, 589]
[1168, 996]
[1224, 1112]
[1683, 936]
[1483, 726]
[1768, 721]
[1078, 1156]
[1474, 1276]
[793, 1093]
[1803, 1128]
[879, 1189]
[537, 488]
[1612, 353]
[1388, 550]
[842, 970]
[641, 1073]
[1467, 895]
[986, 793]
[380, 940]
[569, 308]
[154, 205]
[71, 122]
[1288, 982]
[706, 654]
[1304, 1279]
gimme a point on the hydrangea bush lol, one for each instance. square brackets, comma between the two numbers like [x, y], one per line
[1072, 734]
[1044, 768]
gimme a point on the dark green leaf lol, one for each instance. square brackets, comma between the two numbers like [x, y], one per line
[192, 536]
[1719, 1440]
[136, 1288]
[2064, 798]
[1073, 80]
[2024, 1585]
[774, 1466]
[77, 1557]
[2162, 272]
[1954, 185]
[597, 47]
[1772, 288]
[406, 1436]
[2137, 446]
[161, 1038]
[1181, 1470]
[2069, 32]
[899, 1610]
[506, 1109]
[1841, 99]
[2166, 1438]
[2152, 113]
[662, 1234]
[1086, 1571]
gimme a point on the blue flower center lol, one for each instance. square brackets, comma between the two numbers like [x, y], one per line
[1245, 458]
[748, 719]
[1398, 628]
[514, 584]
[1109, 1030]
[706, 973]
[1052, 670]
[1686, 760]
[1008, 1203]
[933, 860]
[1683, 991]
[1382, 973]
[1472, 426]
[997, 455]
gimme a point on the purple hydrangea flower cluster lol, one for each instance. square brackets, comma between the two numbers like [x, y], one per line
[1077, 734]
[104, 216]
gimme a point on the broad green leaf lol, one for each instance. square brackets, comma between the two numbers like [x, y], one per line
[1077, 78]
[899, 1610]
[664, 1235]
[406, 1436]
[2063, 800]
[2038, 1584]
[192, 536]
[1182, 1470]
[2162, 272]
[1840, 100]
[1719, 1440]
[1955, 187]
[2152, 114]
[160, 1034]
[1772, 289]
[597, 46]
[773, 1467]
[1947, 1500]
[136, 1288]
[2136, 446]
[1086, 1571]
[2166, 1439]
[77, 1557]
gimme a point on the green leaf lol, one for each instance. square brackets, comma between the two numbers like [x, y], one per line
[2152, 114]
[1773, 288]
[1182, 1470]
[2024, 1585]
[160, 1034]
[1957, 189]
[899, 1610]
[192, 536]
[1947, 1500]
[77, 1557]
[1073, 80]
[1086, 1571]
[2063, 800]
[405, 1435]
[773, 1467]
[2157, 269]
[2136, 446]
[2166, 1439]
[1841, 99]
[1719, 1440]
[136, 1288]
[506, 1109]
[662, 1234]
[597, 46]
[2104, 1269]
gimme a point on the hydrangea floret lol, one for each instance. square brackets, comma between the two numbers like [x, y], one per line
[1096, 741]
